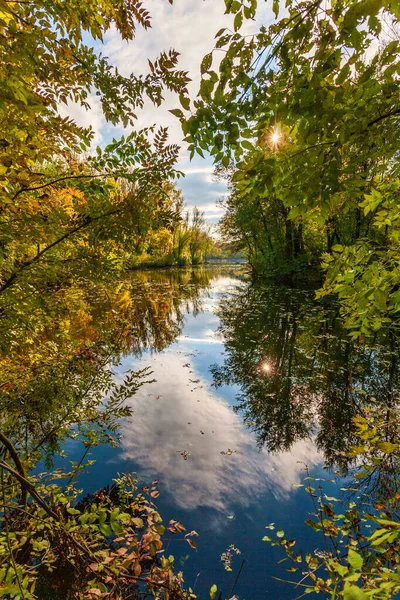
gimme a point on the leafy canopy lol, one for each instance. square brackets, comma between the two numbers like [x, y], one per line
[304, 115]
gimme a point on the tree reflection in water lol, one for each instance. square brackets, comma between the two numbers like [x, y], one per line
[300, 374]
[58, 350]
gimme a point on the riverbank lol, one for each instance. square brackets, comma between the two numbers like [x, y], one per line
[159, 264]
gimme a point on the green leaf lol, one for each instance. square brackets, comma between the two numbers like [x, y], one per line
[247, 145]
[355, 559]
[341, 569]
[116, 527]
[213, 591]
[105, 529]
[280, 533]
[343, 74]
[206, 87]
[380, 299]
[206, 63]
[177, 113]
[232, 6]
[185, 101]
[387, 447]
[351, 592]
[238, 21]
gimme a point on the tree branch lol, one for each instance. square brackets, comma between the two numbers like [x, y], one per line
[336, 143]
[385, 116]
[18, 464]
[64, 178]
[29, 488]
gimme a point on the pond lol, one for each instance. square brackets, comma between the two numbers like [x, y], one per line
[251, 383]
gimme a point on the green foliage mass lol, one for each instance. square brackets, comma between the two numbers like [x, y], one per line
[68, 209]
[110, 541]
[302, 119]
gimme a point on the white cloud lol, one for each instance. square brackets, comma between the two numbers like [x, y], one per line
[212, 208]
[194, 340]
[198, 170]
[85, 118]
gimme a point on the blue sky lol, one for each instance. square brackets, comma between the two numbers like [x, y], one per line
[188, 26]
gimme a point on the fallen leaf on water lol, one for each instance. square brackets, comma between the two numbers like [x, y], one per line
[184, 454]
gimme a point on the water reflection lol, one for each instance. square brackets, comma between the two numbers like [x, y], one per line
[160, 301]
[215, 343]
[222, 465]
[299, 374]
[282, 360]
[58, 350]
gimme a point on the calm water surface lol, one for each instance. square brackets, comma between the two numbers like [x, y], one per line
[251, 383]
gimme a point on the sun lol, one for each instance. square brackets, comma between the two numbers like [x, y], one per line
[275, 137]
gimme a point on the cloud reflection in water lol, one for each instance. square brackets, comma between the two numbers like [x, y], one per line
[176, 415]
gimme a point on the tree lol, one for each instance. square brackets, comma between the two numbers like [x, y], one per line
[200, 241]
[181, 240]
[305, 112]
[54, 192]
